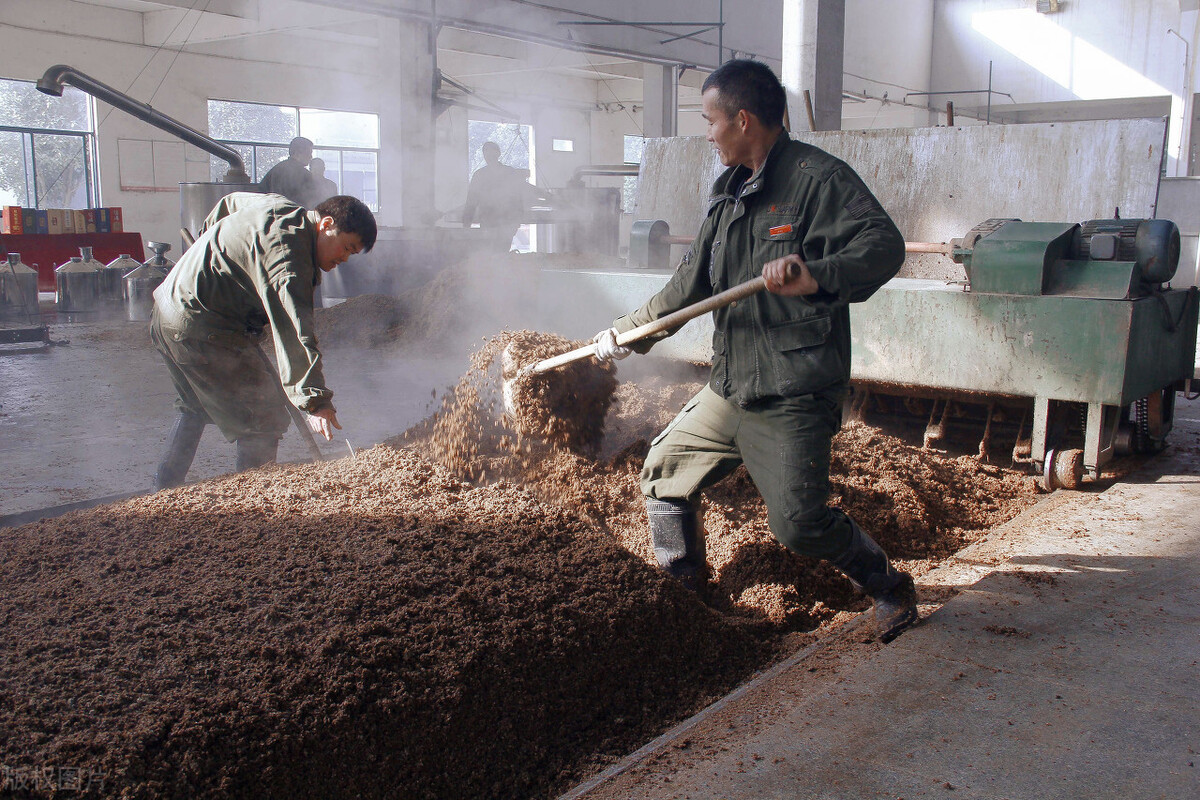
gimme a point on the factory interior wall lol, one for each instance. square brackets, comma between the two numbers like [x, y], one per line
[888, 54]
[1083, 51]
[103, 44]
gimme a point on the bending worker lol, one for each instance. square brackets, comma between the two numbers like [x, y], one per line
[255, 265]
[781, 358]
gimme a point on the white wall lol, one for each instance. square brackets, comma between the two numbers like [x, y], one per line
[107, 45]
[1086, 51]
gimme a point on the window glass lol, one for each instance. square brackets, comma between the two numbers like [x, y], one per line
[61, 165]
[23, 106]
[265, 158]
[347, 141]
[217, 167]
[340, 128]
[634, 146]
[14, 170]
[360, 176]
[45, 148]
[252, 122]
[333, 165]
[513, 139]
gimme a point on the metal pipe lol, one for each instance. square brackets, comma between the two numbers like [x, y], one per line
[52, 82]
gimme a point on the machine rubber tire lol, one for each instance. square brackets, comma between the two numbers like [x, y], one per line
[1068, 468]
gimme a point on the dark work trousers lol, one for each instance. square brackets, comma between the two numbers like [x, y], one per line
[224, 379]
[784, 443]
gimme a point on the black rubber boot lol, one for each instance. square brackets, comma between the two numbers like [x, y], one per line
[181, 449]
[892, 592]
[677, 533]
[256, 450]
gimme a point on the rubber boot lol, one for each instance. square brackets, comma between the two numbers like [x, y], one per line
[677, 534]
[255, 450]
[892, 592]
[181, 449]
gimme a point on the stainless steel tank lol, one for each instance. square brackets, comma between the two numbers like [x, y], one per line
[139, 285]
[112, 278]
[18, 288]
[77, 285]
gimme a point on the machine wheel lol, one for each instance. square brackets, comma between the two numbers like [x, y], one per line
[1062, 469]
[1068, 468]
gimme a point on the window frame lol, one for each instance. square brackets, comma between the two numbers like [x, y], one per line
[254, 145]
[29, 152]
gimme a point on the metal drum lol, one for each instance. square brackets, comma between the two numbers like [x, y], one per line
[18, 288]
[139, 285]
[77, 285]
[112, 278]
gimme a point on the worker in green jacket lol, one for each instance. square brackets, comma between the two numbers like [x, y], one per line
[254, 267]
[781, 358]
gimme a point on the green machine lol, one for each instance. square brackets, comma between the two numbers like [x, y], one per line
[1071, 331]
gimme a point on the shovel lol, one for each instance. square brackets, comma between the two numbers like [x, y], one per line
[673, 320]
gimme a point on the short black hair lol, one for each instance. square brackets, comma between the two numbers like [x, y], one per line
[299, 145]
[750, 85]
[351, 215]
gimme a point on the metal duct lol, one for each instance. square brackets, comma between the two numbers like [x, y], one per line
[52, 82]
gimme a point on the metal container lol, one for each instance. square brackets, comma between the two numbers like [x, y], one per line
[18, 288]
[112, 278]
[77, 285]
[102, 293]
[139, 285]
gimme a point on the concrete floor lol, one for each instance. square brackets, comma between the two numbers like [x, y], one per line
[89, 417]
[1068, 666]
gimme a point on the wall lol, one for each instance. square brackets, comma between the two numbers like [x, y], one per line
[1086, 51]
[107, 44]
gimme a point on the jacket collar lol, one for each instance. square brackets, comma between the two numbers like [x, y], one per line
[739, 182]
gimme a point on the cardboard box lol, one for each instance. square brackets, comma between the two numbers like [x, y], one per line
[11, 220]
[89, 216]
[43, 222]
[102, 219]
[68, 220]
[80, 220]
[29, 220]
[54, 221]
[115, 223]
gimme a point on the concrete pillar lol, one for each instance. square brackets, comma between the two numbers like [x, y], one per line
[814, 37]
[660, 98]
[406, 156]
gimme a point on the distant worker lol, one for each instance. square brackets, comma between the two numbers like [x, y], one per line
[323, 188]
[781, 358]
[255, 265]
[497, 198]
[291, 177]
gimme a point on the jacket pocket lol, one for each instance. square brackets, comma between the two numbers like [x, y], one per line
[799, 354]
[800, 334]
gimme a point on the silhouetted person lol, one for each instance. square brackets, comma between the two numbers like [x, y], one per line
[497, 198]
[323, 188]
[291, 177]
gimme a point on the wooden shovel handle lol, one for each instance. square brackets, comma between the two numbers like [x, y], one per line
[672, 320]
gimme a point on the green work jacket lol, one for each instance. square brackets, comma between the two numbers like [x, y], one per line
[253, 267]
[803, 201]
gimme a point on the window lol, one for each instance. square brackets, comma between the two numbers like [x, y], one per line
[515, 151]
[634, 147]
[564, 145]
[347, 141]
[47, 148]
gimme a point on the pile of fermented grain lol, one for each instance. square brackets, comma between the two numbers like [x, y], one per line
[337, 629]
[367, 320]
[501, 413]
